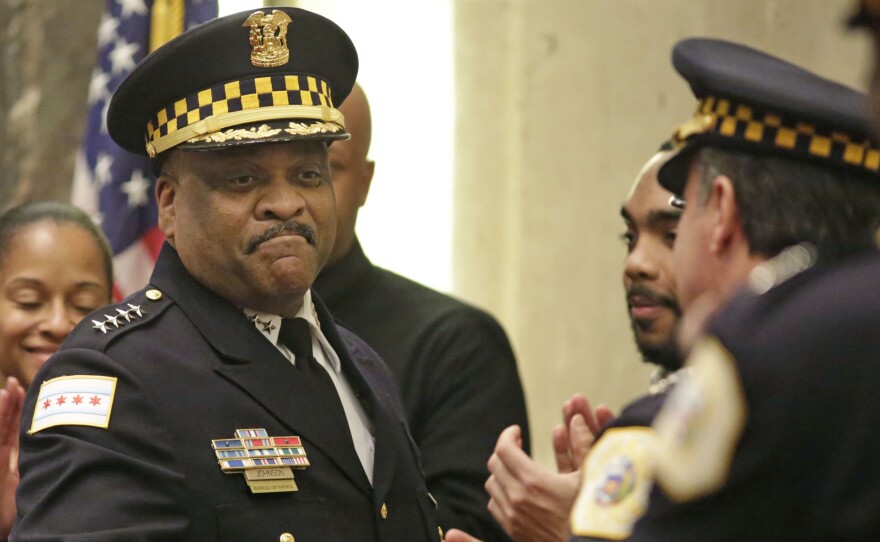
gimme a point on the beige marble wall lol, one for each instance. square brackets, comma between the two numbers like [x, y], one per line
[558, 104]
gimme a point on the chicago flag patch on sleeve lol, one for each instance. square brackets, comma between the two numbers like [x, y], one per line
[74, 400]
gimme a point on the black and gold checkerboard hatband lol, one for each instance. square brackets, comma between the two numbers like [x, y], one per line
[204, 114]
[726, 121]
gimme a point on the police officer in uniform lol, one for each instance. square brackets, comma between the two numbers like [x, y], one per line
[773, 434]
[223, 402]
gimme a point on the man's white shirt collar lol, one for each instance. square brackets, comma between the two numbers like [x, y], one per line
[270, 324]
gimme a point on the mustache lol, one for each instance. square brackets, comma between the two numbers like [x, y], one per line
[291, 226]
[640, 290]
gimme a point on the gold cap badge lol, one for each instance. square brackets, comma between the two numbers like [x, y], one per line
[268, 37]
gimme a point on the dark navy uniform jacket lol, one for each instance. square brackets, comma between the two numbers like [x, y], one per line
[195, 369]
[456, 371]
[807, 354]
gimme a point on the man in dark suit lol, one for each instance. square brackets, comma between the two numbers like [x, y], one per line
[223, 402]
[453, 362]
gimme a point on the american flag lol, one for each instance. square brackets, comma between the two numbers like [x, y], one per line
[115, 186]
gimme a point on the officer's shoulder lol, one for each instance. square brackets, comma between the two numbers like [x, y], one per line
[111, 322]
[770, 285]
[786, 313]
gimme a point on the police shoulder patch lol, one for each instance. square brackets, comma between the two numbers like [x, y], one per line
[74, 400]
[700, 424]
[617, 479]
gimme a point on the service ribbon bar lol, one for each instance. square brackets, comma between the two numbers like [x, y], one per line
[260, 458]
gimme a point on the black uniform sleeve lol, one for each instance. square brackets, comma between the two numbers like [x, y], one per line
[119, 483]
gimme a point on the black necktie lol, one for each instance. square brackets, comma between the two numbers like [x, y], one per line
[297, 336]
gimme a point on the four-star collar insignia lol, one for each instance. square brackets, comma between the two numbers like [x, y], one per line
[265, 461]
[268, 325]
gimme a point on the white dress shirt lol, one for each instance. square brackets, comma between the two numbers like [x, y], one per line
[358, 422]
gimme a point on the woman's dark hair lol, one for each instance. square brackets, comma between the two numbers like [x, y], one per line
[24, 215]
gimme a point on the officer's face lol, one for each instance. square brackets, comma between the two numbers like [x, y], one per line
[51, 276]
[255, 223]
[651, 225]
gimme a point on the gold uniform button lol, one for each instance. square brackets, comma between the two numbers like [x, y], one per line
[384, 511]
[154, 295]
[287, 537]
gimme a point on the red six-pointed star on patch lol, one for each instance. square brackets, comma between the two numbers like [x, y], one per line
[77, 400]
[61, 400]
[95, 400]
[47, 404]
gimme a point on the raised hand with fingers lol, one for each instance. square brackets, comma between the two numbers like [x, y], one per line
[530, 503]
[573, 440]
[11, 400]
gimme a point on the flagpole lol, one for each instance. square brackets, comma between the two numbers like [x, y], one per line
[166, 21]
[279, 3]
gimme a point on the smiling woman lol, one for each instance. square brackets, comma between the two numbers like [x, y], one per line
[54, 269]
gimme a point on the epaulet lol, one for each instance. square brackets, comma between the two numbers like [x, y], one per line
[792, 261]
[106, 324]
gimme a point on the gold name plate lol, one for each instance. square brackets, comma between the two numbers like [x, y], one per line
[272, 486]
[280, 473]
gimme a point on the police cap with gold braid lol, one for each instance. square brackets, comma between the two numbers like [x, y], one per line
[758, 103]
[251, 77]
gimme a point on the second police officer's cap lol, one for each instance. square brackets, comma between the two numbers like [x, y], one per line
[251, 77]
[755, 102]
[865, 14]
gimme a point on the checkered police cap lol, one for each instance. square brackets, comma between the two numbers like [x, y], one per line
[755, 102]
[247, 78]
